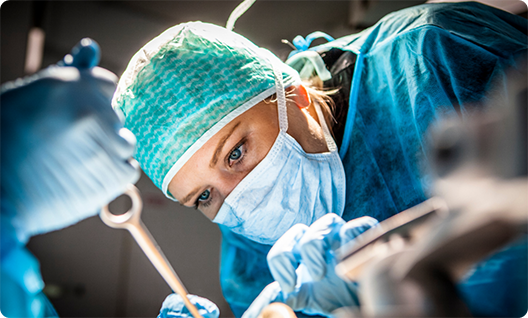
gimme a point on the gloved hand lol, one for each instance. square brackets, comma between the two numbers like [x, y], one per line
[302, 262]
[64, 151]
[173, 307]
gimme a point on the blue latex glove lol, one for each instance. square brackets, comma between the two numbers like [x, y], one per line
[302, 262]
[64, 151]
[173, 307]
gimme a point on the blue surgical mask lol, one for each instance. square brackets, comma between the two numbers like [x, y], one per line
[287, 187]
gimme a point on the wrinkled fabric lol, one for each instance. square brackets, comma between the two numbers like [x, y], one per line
[417, 65]
[184, 86]
[417, 68]
[244, 271]
[498, 286]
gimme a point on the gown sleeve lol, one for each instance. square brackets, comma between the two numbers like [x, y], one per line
[417, 66]
[244, 270]
[21, 285]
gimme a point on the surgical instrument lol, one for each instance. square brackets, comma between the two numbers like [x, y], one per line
[131, 221]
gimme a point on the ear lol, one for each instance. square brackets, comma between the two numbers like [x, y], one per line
[301, 96]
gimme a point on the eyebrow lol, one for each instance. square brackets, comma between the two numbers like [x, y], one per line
[220, 146]
[190, 195]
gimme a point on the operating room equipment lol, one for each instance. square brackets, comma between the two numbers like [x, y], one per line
[131, 221]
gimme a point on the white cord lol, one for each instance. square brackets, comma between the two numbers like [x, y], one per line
[281, 99]
[330, 143]
[239, 10]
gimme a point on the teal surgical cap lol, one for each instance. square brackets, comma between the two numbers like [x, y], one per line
[185, 85]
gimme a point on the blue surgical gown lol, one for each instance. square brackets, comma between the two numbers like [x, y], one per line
[411, 68]
[21, 282]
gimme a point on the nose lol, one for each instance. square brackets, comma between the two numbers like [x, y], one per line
[227, 182]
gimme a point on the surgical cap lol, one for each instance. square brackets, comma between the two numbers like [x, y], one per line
[185, 85]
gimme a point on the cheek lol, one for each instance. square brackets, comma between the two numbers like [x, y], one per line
[265, 142]
[228, 180]
[212, 210]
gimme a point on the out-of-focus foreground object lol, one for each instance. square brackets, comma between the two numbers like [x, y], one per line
[64, 155]
[131, 221]
[277, 310]
[174, 307]
[64, 151]
[421, 262]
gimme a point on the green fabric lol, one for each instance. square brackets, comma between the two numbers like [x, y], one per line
[182, 83]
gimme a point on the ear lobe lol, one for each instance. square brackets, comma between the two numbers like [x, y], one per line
[302, 97]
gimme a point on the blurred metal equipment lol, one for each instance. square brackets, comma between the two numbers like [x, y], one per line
[131, 221]
[409, 266]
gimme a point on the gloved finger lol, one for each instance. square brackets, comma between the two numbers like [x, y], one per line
[85, 54]
[271, 293]
[356, 227]
[283, 258]
[315, 243]
[173, 307]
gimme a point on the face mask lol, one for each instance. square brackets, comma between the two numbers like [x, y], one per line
[287, 187]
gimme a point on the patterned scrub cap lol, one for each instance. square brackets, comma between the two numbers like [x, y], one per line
[185, 85]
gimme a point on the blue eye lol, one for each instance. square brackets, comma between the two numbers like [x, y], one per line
[235, 154]
[204, 196]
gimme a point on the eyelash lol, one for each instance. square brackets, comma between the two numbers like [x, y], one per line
[239, 160]
[205, 204]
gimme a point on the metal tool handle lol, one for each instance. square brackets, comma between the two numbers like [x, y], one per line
[131, 221]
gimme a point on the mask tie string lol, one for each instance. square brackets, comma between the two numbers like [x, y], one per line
[330, 143]
[239, 11]
[281, 99]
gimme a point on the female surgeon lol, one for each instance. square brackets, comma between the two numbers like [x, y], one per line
[226, 127]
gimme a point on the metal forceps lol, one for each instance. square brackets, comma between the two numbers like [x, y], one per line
[131, 221]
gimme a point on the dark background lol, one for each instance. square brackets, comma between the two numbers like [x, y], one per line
[91, 270]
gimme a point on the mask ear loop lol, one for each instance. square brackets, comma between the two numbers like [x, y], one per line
[281, 100]
[283, 113]
[330, 143]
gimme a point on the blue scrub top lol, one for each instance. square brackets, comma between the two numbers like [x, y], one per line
[21, 283]
[412, 67]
